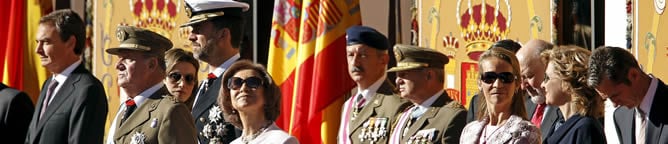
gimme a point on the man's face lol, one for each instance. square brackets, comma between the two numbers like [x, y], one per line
[51, 48]
[133, 68]
[204, 38]
[619, 93]
[409, 81]
[365, 64]
[533, 74]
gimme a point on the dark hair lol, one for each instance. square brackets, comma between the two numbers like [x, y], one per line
[570, 65]
[235, 24]
[271, 95]
[176, 55]
[67, 23]
[507, 44]
[612, 62]
[517, 106]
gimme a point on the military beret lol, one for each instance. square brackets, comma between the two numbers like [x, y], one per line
[203, 10]
[412, 57]
[139, 39]
[368, 36]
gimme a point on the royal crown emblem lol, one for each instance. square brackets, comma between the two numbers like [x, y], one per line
[450, 45]
[481, 25]
[156, 15]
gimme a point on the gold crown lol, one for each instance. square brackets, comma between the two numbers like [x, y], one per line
[481, 25]
[155, 15]
[450, 44]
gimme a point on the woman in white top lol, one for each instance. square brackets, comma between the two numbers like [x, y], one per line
[250, 100]
[502, 116]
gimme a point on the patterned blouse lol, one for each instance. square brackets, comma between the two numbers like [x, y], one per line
[514, 131]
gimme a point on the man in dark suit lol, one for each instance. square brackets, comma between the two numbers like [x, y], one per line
[217, 29]
[72, 106]
[374, 99]
[434, 116]
[151, 114]
[16, 110]
[616, 75]
[532, 71]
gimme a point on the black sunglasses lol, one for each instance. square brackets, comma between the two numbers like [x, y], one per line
[175, 76]
[236, 82]
[490, 77]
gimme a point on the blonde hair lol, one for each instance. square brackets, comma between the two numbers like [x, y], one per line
[517, 106]
[570, 64]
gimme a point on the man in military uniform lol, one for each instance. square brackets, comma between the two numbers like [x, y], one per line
[367, 115]
[150, 115]
[434, 116]
[217, 29]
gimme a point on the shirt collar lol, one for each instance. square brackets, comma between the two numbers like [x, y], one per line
[220, 69]
[139, 99]
[646, 103]
[427, 103]
[371, 90]
[61, 77]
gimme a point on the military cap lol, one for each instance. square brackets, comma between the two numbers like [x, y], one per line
[138, 39]
[368, 36]
[203, 10]
[412, 57]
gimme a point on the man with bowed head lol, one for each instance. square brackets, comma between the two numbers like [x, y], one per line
[532, 71]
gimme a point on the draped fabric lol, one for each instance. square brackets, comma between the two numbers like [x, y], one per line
[307, 60]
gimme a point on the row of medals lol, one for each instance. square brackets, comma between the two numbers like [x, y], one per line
[374, 129]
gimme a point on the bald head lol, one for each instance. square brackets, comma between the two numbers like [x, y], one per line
[532, 68]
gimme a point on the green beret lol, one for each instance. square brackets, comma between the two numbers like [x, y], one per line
[412, 57]
[138, 39]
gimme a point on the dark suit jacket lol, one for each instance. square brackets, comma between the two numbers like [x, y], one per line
[160, 119]
[446, 116]
[550, 118]
[77, 113]
[200, 113]
[385, 104]
[657, 130]
[474, 107]
[578, 130]
[16, 110]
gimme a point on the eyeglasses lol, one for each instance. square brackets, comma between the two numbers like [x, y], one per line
[490, 77]
[176, 76]
[236, 82]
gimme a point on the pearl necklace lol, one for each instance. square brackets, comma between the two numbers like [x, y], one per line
[247, 139]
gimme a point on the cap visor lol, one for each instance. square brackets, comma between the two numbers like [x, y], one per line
[398, 68]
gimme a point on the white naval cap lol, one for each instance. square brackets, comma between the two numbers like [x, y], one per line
[202, 10]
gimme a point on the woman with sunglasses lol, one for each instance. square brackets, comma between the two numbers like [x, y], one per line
[250, 100]
[181, 74]
[502, 117]
[565, 85]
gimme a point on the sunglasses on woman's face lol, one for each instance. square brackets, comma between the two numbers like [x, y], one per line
[236, 82]
[175, 76]
[491, 77]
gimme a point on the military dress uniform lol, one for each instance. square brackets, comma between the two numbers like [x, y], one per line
[438, 119]
[159, 117]
[208, 116]
[368, 118]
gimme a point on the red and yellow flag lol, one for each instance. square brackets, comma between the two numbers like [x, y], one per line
[12, 42]
[307, 60]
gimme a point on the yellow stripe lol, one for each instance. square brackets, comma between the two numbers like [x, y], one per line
[435, 24]
[651, 53]
[532, 13]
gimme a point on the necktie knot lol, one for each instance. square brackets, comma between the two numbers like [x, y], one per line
[211, 76]
[130, 103]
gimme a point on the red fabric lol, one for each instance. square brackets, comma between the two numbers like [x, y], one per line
[538, 115]
[211, 76]
[12, 42]
[130, 103]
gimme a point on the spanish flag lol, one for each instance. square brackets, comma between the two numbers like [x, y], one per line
[307, 59]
